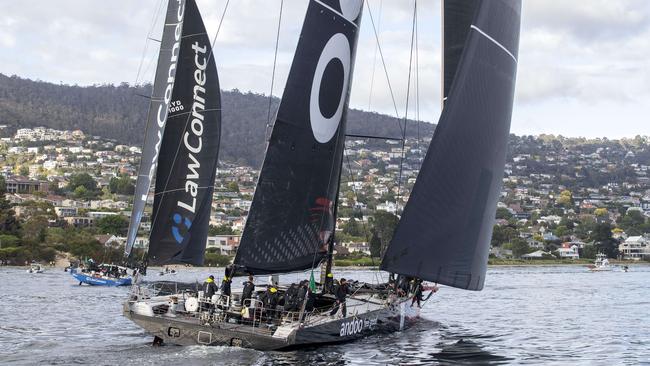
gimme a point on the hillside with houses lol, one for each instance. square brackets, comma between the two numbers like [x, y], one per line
[69, 193]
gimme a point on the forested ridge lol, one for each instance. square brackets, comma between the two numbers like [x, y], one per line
[119, 112]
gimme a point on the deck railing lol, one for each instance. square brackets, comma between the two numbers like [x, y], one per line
[252, 312]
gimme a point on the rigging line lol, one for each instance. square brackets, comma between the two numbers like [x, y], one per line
[146, 128]
[417, 88]
[374, 59]
[182, 189]
[381, 54]
[275, 59]
[187, 120]
[363, 223]
[146, 42]
[340, 137]
[406, 112]
[374, 137]
[216, 35]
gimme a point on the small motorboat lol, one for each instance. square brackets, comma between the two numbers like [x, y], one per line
[167, 271]
[103, 275]
[35, 268]
[601, 264]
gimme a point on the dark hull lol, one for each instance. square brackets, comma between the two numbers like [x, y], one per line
[186, 332]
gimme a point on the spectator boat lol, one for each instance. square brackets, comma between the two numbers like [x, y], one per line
[102, 275]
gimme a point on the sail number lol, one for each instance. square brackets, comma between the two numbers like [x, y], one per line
[175, 106]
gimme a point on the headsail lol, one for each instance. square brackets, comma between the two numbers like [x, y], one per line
[445, 230]
[157, 114]
[457, 16]
[188, 153]
[291, 218]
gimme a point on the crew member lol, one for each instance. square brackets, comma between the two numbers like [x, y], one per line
[341, 293]
[417, 292]
[247, 292]
[225, 286]
[328, 287]
[209, 289]
[270, 301]
[291, 298]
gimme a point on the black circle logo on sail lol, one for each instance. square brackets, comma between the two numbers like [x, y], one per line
[326, 109]
[330, 92]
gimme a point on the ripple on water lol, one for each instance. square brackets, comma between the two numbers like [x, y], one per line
[525, 315]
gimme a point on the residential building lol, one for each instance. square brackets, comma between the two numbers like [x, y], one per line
[635, 247]
[24, 185]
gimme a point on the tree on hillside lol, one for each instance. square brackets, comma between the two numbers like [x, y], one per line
[634, 223]
[565, 199]
[8, 222]
[233, 187]
[121, 185]
[220, 230]
[601, 212]
[82, 180]
[502, 235]
[503, 213]
[353, 228]
[602, 238]
[34, 229]
[112, 224]
[588, 252]
[375, 246]
[82, 193]
[383, 225]
[518, 246]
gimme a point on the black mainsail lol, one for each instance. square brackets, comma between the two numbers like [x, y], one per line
[291, 220]
[457, 16]
[188, 153]
[445, 230]
[157, 114]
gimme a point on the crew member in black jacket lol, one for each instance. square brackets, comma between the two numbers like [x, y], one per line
[249, 288]
[209, 289]
[341, 293]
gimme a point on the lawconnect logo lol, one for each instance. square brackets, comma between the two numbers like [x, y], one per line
[178, 219]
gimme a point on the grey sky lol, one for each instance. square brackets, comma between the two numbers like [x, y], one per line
[584, 65]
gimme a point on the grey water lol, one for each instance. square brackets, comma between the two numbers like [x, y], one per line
[525, 315]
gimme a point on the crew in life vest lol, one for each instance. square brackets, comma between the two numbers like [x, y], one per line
[209, 289]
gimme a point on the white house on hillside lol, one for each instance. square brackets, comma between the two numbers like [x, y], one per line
[635, 247]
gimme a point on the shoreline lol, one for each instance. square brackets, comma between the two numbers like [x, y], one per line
[506, 263]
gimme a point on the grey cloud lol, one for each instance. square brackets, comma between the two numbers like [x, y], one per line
[589, 21]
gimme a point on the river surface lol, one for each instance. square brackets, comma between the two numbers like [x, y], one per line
[525, 315]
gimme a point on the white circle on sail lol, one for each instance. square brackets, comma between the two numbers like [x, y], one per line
[350, 9]
[322, 127]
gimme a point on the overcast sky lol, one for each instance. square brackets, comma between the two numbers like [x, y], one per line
[584, 65]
